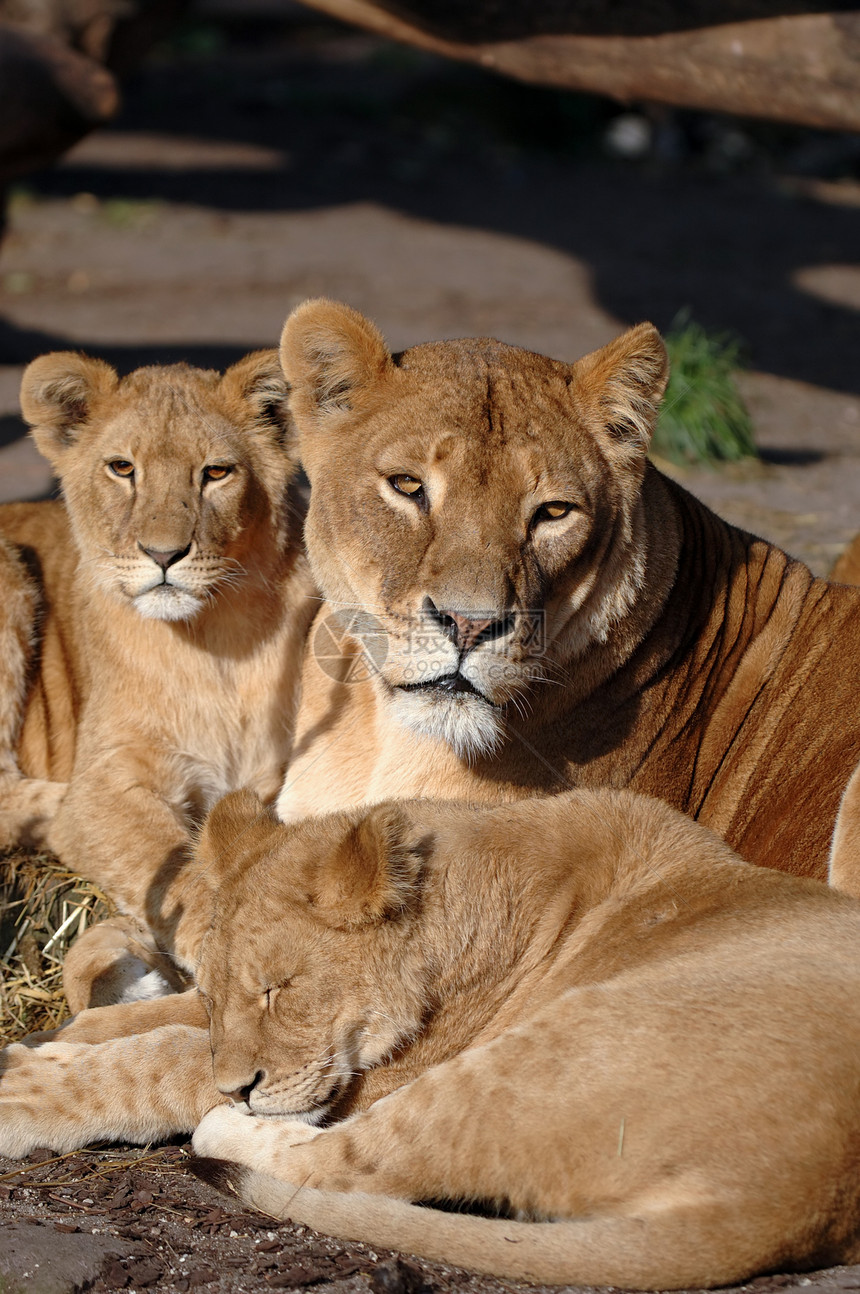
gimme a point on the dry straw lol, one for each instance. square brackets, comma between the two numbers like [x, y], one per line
[43, 907]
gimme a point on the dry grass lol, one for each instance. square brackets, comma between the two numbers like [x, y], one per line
[43, 907]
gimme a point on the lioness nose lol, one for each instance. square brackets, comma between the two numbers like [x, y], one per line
[467, 631]
[165, 559]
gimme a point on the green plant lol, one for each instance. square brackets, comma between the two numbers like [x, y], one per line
[128, 213]
[703, 418]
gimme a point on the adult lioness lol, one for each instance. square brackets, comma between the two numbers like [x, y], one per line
[538, 607]
[150, 625]
[628, 1028]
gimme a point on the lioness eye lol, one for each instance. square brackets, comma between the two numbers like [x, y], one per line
[121, 467]
[553, 511]
[408, 485]
[216, 471]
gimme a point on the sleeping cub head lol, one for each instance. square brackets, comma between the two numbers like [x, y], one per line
[474, 510]
[174, 478]
[311, 913]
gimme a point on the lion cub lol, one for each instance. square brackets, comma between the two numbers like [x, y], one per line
[151, 623]
[586, 1010]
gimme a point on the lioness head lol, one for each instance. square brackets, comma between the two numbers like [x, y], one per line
[175, 478]
[475, 508]
[316, 912]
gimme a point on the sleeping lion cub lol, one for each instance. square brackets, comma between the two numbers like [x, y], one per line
[151, 623]
[586, 1010]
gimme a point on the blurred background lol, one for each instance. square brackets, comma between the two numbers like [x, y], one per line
[236, 156]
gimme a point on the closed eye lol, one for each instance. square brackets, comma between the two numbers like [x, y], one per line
[272, 992]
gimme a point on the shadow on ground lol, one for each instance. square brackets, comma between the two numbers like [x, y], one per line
[456, 146]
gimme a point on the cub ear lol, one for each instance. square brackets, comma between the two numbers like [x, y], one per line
[333, 359]
[626, 381]
[232, 836]
[372, 872]
[260, 390]
[58, 392]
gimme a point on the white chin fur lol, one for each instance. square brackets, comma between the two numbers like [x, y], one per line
[470, 726]
[166, 602]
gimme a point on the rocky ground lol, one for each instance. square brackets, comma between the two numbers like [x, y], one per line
[138, 1220]
[252, 168]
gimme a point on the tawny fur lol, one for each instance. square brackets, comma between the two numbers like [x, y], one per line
[585, 1009]
[638, 640]
[132, 693]
[844, 862]
[846, 568]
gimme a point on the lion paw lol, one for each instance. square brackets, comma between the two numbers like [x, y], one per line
[117, 961]
[233, 1132]
[141, 985]
[27, 1119]
[223, 1132]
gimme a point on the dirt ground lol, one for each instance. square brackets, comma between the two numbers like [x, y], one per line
[121, 1219]
[255, 165]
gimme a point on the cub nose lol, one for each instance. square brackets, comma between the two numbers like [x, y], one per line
[163, 559]
[466, 631]
[244, 1093]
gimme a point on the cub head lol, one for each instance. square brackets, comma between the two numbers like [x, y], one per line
[175, 478]
[475, 508]
[304, 968]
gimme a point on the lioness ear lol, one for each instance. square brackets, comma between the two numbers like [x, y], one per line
[332, 358]
[58, 392]
[232, 835]
[372, 872]
[257, 382]
[626, 381]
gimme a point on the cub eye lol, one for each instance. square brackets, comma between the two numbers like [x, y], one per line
[121, 467]
[216, 471]
[553, 511]
[408, 485]
[271, 993]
